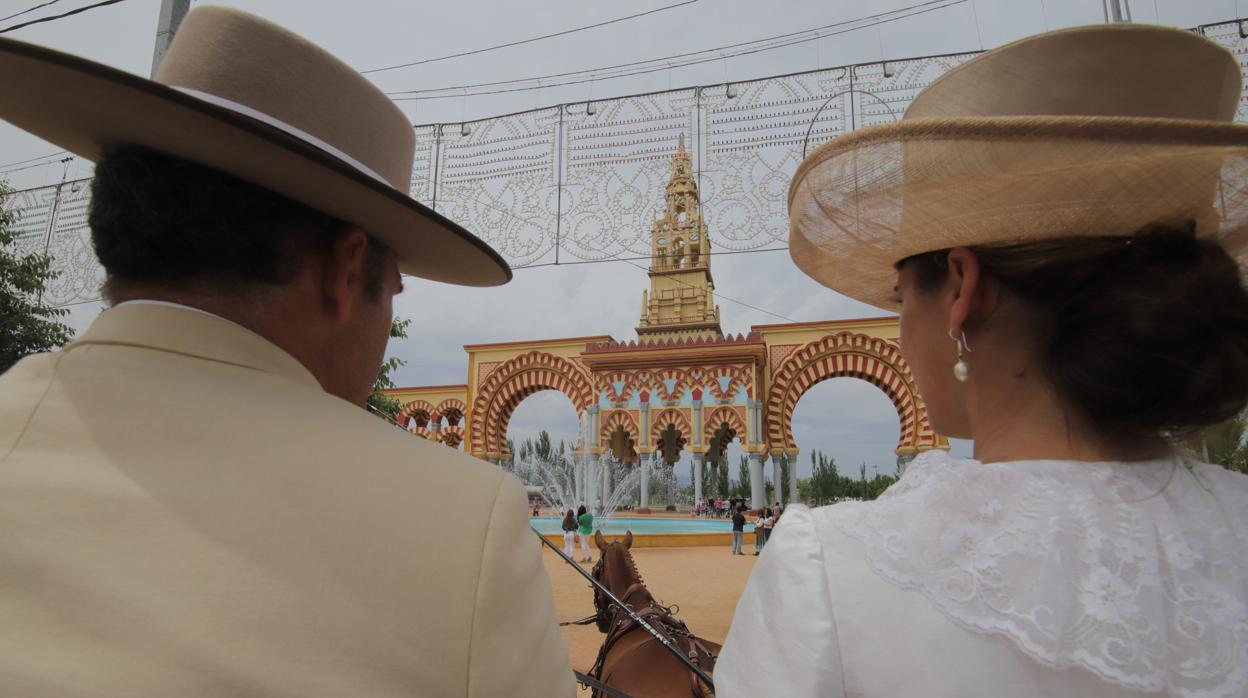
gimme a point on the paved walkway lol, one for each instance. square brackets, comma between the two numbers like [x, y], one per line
[704, 582]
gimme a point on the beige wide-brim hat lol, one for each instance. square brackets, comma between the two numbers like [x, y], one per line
[244, 96]
[1089, 131]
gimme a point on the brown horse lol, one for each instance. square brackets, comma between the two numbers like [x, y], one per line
[631, 659]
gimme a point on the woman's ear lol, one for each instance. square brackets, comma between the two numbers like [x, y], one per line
[965, 284]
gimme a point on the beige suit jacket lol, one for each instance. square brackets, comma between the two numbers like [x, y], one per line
[184, 512]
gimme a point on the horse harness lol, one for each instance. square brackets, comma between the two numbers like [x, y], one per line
[661, 618]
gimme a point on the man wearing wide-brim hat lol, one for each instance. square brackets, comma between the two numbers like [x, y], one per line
[193, 502]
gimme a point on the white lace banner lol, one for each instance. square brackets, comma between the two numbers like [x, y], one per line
[574, 183]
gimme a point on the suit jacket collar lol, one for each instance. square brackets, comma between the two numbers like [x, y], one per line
[190, 332]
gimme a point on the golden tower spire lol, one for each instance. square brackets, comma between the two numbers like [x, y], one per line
[680, 303]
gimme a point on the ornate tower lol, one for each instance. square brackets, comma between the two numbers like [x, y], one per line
[680, 303]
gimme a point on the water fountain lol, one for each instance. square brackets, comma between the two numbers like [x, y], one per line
[569, 480]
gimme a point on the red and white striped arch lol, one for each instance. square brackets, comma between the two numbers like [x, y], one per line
[732, 415]
[618, 419]
[660, 420]
[511, 383]
[872, 359]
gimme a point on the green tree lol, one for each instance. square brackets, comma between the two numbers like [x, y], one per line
[784, 476]
[27, 324]
[381, 404]
[826, 482]
[743, 472]
[1224, 443]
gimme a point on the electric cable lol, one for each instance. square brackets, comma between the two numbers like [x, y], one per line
[29, 10]
[63, 15]
[604, 72]
[30, 167]
[524, 41]
[680, 55]
[23, 162]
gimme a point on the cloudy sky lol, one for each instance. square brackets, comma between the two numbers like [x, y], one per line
[846, 418]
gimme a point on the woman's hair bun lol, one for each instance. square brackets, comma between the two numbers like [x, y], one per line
[1149, 332]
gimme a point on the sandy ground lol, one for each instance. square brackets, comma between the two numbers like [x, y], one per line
[704, 582]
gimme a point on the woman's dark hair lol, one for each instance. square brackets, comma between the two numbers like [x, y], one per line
[1146, 334]
[161, 220]
[580, 510]
[569, 520]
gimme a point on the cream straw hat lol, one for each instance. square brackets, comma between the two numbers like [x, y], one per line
[1093, 131]
[246, 97]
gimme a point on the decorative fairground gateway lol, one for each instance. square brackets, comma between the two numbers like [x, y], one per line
[682, 384]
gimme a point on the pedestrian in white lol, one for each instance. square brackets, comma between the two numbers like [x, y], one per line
[569, 533]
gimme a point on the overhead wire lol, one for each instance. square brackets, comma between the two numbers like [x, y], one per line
[618, 71]
[63, 15]
[525, 41]
[30, 167]
[718, 49]
[29, 10]
[44, 157]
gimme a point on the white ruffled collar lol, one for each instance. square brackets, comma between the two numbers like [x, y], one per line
[1137, 572]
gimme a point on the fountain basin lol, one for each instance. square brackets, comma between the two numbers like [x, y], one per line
[654, 532]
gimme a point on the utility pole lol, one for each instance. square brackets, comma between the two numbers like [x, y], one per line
[1116, 10]
[172, 13]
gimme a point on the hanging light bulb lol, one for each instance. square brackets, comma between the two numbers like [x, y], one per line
[731, 91]
[591, 108]
[465, 129]
[888, 71]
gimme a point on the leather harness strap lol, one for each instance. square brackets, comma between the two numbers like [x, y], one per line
[662, 620]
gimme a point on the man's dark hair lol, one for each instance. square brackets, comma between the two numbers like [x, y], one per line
[159, 220]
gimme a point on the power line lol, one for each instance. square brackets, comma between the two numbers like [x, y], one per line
[31, 167]
[525, 41]
[719, 295]
[31, 9]
[63, 15]
[676, 56]
[23, 162]
[605, 72]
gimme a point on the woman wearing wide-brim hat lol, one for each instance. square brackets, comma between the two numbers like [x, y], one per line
[1057, 222]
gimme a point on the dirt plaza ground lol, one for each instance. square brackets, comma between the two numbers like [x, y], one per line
[704, 582]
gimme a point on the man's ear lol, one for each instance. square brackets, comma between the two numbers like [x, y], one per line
[344, 271]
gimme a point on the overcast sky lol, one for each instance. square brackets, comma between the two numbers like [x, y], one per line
[846, 418]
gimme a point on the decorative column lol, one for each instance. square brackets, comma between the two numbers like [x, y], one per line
[669, 472]
[643, 462]
[435, 428]
[591, 478]
[578, 482]
[606, 483]
[903, 459]
[697, 476]
[792, 459]
[758, 491]
[696, 436]
[775, 474]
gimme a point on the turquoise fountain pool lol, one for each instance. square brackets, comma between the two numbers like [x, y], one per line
[617, 525]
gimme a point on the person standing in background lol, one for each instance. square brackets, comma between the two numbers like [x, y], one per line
[586, 522]
[569, 533]
[738, 531]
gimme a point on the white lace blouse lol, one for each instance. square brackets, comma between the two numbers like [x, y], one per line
[1036, 578]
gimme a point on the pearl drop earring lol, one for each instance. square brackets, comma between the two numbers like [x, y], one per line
[960, 370]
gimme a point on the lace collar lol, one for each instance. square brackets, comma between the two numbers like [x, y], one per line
[1137, 572]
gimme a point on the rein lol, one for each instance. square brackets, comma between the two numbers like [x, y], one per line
[624, 608]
